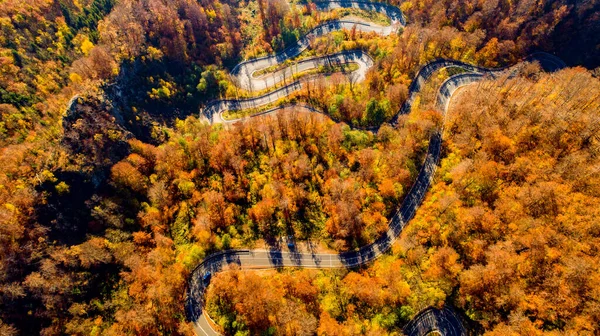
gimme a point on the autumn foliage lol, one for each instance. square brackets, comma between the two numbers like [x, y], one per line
[111, 190]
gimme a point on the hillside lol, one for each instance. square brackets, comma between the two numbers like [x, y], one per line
[115, 183]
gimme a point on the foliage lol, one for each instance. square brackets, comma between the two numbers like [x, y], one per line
[99, 230]
[296, 174]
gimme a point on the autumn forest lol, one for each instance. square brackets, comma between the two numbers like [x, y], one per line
[133, 150]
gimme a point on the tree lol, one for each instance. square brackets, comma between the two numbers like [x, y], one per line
[124, 174]
[375, 111]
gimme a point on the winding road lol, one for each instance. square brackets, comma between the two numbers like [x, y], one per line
[444, 321]
[244, 73]
[358, 57]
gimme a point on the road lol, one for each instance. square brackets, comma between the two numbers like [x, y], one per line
[444, 321]
[258, 83]
[244, 73]
[213, 111]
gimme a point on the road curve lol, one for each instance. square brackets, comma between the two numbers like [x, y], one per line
[244, 72]
[445, 321]
[214, 110]
[358, 57]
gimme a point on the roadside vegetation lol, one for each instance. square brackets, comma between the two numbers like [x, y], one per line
[298, 174]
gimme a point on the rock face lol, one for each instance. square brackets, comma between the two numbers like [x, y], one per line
[95, 139]
[92, 128]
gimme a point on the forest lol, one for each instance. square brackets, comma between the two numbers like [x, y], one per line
[508, 232]
[112, 188]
